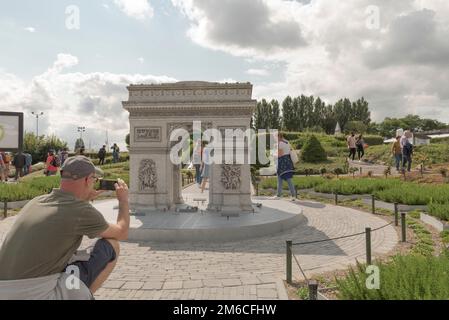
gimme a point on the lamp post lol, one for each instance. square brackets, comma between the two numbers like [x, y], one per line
[37, 115]
[81, 130]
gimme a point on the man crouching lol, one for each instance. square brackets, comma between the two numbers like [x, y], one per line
[44, 240]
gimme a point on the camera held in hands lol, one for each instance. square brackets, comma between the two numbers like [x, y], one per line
[107, 184]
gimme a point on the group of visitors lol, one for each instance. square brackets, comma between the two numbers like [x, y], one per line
[103, 152]
[356, 144]
[20, 161]
[402, 150]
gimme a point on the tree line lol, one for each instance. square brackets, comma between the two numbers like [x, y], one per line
[309, 113]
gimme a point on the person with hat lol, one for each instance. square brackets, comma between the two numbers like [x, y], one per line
[38, 252]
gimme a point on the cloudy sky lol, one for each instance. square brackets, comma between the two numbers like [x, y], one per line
[73, 59]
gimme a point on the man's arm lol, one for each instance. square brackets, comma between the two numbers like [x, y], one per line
[119, 231]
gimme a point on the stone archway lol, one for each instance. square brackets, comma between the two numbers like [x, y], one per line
[155, 110]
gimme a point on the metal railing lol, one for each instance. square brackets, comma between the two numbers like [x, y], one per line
[313, 284]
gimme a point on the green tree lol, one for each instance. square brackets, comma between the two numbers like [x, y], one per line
[356, 126]
[288, 116]
[329, 121]
[275, 121]
[79, 143]
[343, 112]
[38, 147]
[313, 151]
[360, 111]
[127, 140]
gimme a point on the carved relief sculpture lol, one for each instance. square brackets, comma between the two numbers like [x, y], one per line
[230, 176]
[147, 175]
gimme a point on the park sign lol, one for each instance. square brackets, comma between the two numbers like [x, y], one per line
[11, 131]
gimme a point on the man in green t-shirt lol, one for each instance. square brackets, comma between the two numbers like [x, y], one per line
[50, 228]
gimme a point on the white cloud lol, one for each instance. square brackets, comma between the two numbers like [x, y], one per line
[241, 27]
[72, 99]
[30, 29]
[328, 50]
[258, 72]
[138, 9]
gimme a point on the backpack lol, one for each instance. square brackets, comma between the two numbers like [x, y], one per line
[102, 153]
[56, 162]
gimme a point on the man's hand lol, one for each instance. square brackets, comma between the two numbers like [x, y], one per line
[121, 190]
[94, 194]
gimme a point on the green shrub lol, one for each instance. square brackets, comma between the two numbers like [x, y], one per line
[356, 186]
[28, 189]
[412, 277]
[313, 151]
[299, 182]
[414, 194]
[439, 210]
[372, 140]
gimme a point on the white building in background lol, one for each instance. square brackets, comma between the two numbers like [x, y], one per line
[421, 139]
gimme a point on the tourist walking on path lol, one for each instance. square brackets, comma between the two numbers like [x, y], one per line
[28, 163]
[396, 150]
[407, 154]
[48, 233]
[196, 158]
[115, 153]
[102, 155]
[351, 146]
[360, 144]
[18, 162]
[205, 165]
[51, 164]
[285, 168]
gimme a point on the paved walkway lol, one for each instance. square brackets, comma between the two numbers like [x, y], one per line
[249, 269]
[377, 169]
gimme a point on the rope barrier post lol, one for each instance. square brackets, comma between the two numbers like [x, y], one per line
[373, 204]
[368, 245]
[396, 214]
[336, 198]
[289, 262]
[404, 227]
[313, 290]
[361, 170]
[5, 209]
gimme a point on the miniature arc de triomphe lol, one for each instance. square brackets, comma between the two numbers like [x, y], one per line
[155, 111]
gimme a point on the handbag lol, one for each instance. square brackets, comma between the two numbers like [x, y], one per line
[294, 156]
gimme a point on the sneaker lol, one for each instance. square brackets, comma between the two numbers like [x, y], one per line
[293, 199]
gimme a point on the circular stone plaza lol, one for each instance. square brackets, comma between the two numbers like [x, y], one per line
[205, 256]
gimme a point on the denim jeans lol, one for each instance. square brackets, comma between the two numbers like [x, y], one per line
[198, 177]
[398, 159]
[291, 187]
[407, 159]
